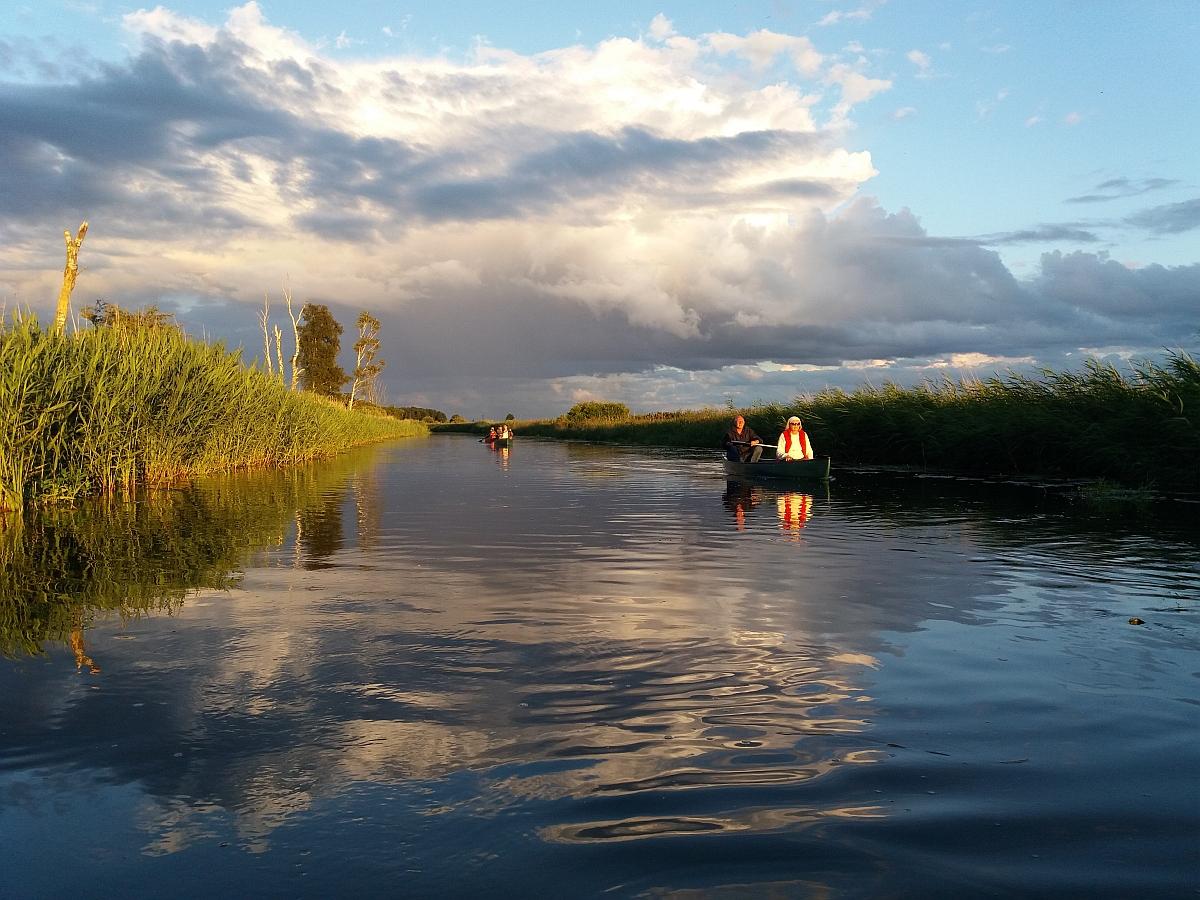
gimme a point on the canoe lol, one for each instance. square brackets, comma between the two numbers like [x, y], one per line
[814, 469]
[500, 443]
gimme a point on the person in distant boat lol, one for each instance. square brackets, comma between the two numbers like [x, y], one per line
[491, 434]
[794, 444]
[741, 443]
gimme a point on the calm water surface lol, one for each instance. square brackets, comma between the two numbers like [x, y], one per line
[430, 669]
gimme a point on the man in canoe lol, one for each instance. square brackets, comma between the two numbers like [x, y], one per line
[741, 443]
[793, 443]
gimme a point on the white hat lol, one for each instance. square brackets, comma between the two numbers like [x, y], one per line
[795, 419]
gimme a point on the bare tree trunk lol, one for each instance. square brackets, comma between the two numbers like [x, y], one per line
[70, 273]
[279, 351]
[287, 298]
[262, 318]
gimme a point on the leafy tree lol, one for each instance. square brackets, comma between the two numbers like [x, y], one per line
[595, 409]
[109, 315]
[456, 419]
[419, 413]
[510, 418]
[320, 340]
[366, 370]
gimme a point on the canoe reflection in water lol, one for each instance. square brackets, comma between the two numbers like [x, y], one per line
[794, 510]
[740, 498]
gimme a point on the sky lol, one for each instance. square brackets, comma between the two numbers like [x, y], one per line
[671, 206]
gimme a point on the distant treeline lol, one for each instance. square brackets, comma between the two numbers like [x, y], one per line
[417, 413]
[1139, 428]
[109, 408]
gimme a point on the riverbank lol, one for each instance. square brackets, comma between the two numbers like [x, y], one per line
[108, 409]
[1137, 429]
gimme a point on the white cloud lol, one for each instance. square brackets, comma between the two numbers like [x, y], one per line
[762, 48]
[1072, 118]
[904, 112]
[921, 60]
[661, 28]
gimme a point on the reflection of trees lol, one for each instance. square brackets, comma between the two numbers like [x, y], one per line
[59, 566]
[320, 529]
[368, 507]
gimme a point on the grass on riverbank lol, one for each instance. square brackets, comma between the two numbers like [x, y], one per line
[1140, 428]
[106, 409]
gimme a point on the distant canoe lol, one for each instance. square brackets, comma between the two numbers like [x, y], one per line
[809, 469]
[500, 443]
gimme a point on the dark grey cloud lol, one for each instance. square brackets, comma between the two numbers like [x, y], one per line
[1116, 188]
[1073, 232]
[583, 164]
[1171, 218]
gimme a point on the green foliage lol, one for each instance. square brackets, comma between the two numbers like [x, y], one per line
[593, 410]
[109, 315]
[109, 408]
[320, 340]
[416, 413]
[510, 418]
[456, 419]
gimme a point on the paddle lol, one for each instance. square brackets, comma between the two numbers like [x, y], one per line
[757, 453]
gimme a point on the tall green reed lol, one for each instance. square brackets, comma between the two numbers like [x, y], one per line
[106, 409]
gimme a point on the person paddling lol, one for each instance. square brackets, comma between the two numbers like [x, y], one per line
[793, 443]
[741, 443]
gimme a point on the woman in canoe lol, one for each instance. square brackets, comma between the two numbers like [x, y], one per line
[793, 443]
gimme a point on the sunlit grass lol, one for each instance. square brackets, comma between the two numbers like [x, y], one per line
[106, 409]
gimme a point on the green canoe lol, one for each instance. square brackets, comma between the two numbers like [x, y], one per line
[809, 469]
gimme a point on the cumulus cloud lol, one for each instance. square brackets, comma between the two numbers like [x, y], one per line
[670, 217]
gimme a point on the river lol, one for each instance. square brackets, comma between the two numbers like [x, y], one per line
[431, 669]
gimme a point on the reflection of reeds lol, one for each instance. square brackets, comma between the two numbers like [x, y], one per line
[108, 408]
[60, 565]
[1136, 428]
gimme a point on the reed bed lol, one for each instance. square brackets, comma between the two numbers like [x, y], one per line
[105, 409]
[1138, 428]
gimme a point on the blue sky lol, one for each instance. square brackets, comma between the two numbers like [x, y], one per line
[669, 206]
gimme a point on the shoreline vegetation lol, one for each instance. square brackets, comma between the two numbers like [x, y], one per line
[1137, 429]
[108, 409]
